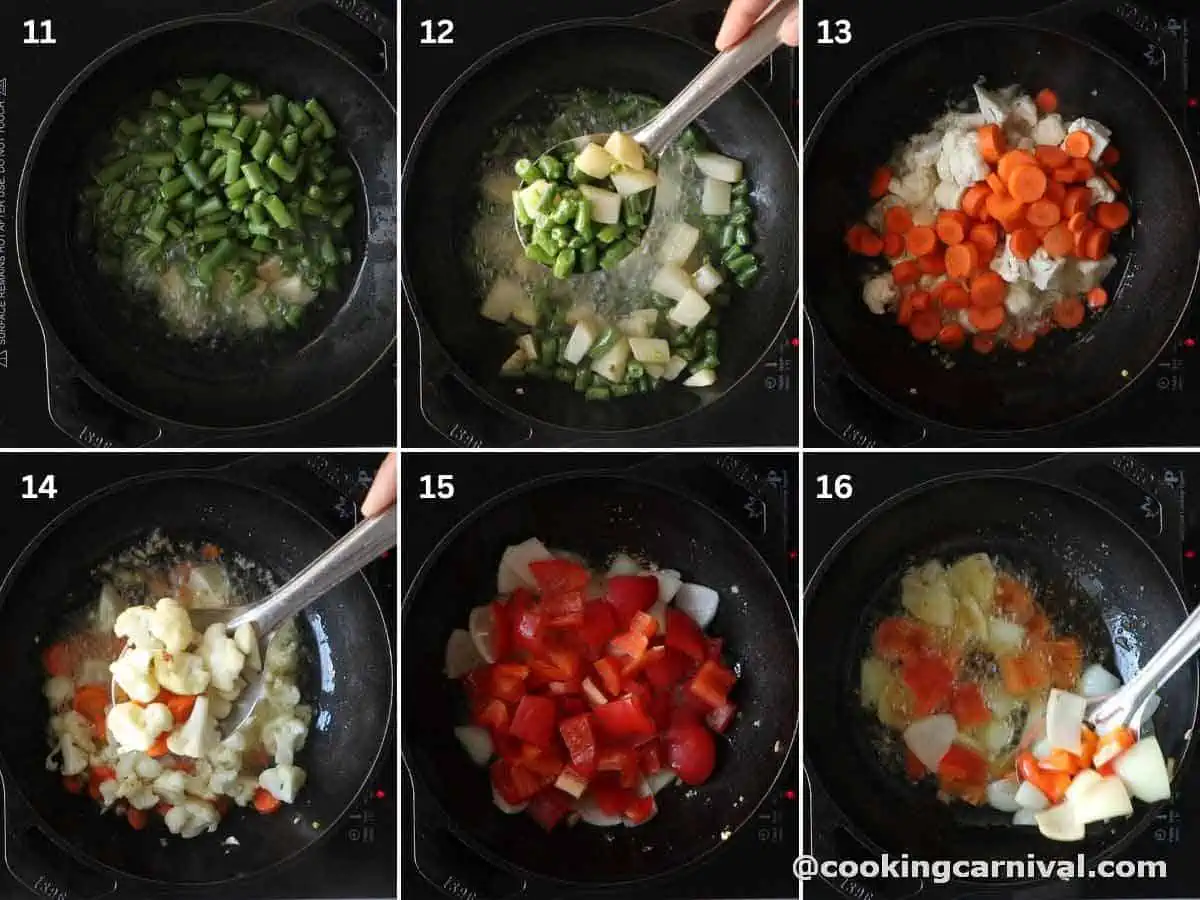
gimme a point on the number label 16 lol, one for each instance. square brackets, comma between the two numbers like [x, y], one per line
[835, 487]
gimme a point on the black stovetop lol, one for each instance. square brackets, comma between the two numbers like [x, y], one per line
[762, 410]
[757, 862]
[1161, 410]
[358, 859]
[879, 476]
[31, 77]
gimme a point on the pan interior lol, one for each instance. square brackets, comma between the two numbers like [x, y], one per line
[1096, 579]
[1157, 255]
[119, 340]
[440, 208]
[597, 516]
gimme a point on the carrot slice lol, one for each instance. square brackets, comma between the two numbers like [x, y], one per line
[988, 318]
[952, 295]
[983, 343]
[1008, 211]
[1095, 245]
[985, 235]
[1056, 191]
[1065, 175]
[137, 818]
[906, 272]
[1022, 343]
[159, 747]
[1024, 243]
[893, 245]
[962, 260]
[1027, 183]
[952, 226]
[1059, 241]
[932, 263]
[56, 660]
[1078, 144]
[1068, 312]
[91, 702]
[952, 336]
[974, 200]
[1077, 222]
[988, 289]
[879, 182]
[1112, 181]
[871, 244]
[180, 706]
[1013, 160]
[1111, 156]
[897, 220]
[904, 312]
[1043, 213]
[921, 239]
[996, 183]
[1084, 169]
[925, 326]
[1051, 156]
[1112, 216]
[1078, 199]
[266, 802]
[920, 300]
[1097, 298]
[855, 235]
[992, 143]
[1046, 100]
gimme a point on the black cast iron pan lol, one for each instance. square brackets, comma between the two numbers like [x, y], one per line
[596, 514]
[120, 350]
[1097, 579]
[440, 200]
[898, 94]
[55, 840]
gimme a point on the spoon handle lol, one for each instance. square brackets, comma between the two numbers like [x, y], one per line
[725, 70]
[365, 542]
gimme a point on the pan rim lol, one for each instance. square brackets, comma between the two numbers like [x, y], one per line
[7, 783]
[49, 333]
[896, 406]
[1027, 474]
[409, 599]
[422, 322]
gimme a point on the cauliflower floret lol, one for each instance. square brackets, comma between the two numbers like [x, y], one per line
[59, 691]
[222, 656]
[874, 218]
[283, 782]
[1018, 300]
[140, 795]
[879, 293]
[948, 195]
[171, 786]
[1023, 113]
[1089, 273]
[226, 755]
[108, 607]
[196, 735]
[281, 692]
[109, 791]
[283, 651]
[247, 641]
[134, 672]
[171, 625]
[1045, 270]
[192, 818]
[134, 727]
[74, 726]
[916, 187]
[182, 673]
[74, 759]
[966, 165]
[223, 781]
[1099, 134]
[1050, 130]
[210, 586]
[1102, 191]
[1009, 266]
[134, 624]
[282, 737]
[218, 706]
[923, 151]
[990, 106]
[242, 793]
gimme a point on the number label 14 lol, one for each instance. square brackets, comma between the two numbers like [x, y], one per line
[835, 487]
[834, 31]
[45, 489]
[437, 487]
[32, 27]
[444, 31]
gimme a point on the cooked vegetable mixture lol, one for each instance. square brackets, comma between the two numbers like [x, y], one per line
[590, 691]
[228, 206]
[157, 751]
[990, 701]
[605, 297]
[996, 225]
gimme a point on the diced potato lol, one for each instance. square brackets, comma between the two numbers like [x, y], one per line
[671, 281]
[595, 161]
[707, 279]
[926, 594]
[606, 205]
[499, 187]
[580, 342]
[527, 345]
[717, 199]
[501, 300]
[579, 311]
[875, 675]
[625, 150]
[515, 363]
[634, 181]
[525, 312]
[650, 350]
[690, 310]
[655, 371]
[674, 368]
[703, 378]
[679, 243]
[531, 197]
[639, 323]
[973, 578]
[722, 168]
[612, 364]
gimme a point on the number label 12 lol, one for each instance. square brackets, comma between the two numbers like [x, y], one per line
[445, 30]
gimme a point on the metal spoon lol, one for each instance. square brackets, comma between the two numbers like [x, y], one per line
[715, 80]
[365, 542]
[1127, 704]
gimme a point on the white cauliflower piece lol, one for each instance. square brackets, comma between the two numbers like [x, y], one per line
[283, 782]
[880, 293]
[916, 187]
[923, 150]
[223, 781]
[282, 737]
[281, 692]
[1045, 270]
[147, 767]
[197, 735]
[108, 607]
[990, 106]
[1102, 191]
[134, 672]
[74, 759]
[247, 641]
[1090, 273]
[948, 195]
[1023, 113]
[134, 625]
[222, 656]
[226, 756]
[1009, 266]
[243, 790]
[171, 625]
[192, 818]
[141, 796]
[874, 218]
[1018, 300]
[109, 792]
[965, 162]
[59, 691]
[134, 727]
[218, 706]
[1050, 130]
[1099, 134]
[74, 726]
[182, 673]
[283, 650]
[171, 786]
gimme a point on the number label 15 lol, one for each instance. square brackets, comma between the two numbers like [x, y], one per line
[437, 487]
[45, 489]
[835, 487]
[834, 31]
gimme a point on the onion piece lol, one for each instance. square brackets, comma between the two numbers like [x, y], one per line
[571, 782]
[461, 655]
[1004, 636]
[1041, 749]
[1104, 800]
[1096, 681]
[1059, 823]
[1081, 784]
[518, 557]
[624, 564]
[1002, 795]
[1143, 770]
[592, 814]
[656, 781]
[1031, 798]
[480, 624]
[698, 602]
[716, 198]
[476, 741]
[1024, 817]
[506, 807]
[669, 582]
[1064, 720]
[929, 739]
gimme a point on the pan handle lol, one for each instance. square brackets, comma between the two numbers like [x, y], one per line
[286, 12]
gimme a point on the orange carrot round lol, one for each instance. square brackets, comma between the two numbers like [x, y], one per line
[893, 245]
[1013, 160]
[985, 235]
[1111, 156]
[988, 318]
[1022, 343]
[925, 326]
[1043, 213]
[988, 289]
[1077, 222]
[962, 260]
[1059, 241]
[1078, 144]
[997, 185]
[974, 199]
[1095, 246]
[1046, 100]
[1068, 312]
[1111, 179]
[921, 239]
[906, 272]
[1027, 183]
[1051, 156]
[920, 300]
[879, 182]
[992, 143]
[1078, 199]
[952, 295]
[897, 220]
[1097, 298]
[983, 343]
[952, 226]
[1024, 243]
[1112, 216]
[932, 263]
[952, 336]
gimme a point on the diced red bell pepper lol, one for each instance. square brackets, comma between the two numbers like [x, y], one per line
[691, 752]
[508, 747]
[632, 644]
[630, 595]
[571, 705]
[609, 670]
[634, 667]
[559, 688]
[492, 715]
[548, 807]
[644, 623]
[650, 756]
[571, 623]
[545, 763]
[899, 638]
[622, 718]
[515, 783]
[712, 684]
[968, 706]
[684, 634]
[506, 681]
[580, 741]
[716, 647]
[641, 809]
[962, 765]
[529, 632]
[501, 630]
[599, 626]
[641, 694]
[721, 717]
[611, 799]
[558, 606]
[555, 576]
[660, 708]
[929, 678]
[534, 720]
[621, 760]
[557, 665]
[667, 669]
[913, 767]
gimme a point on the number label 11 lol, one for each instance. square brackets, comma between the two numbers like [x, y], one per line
[32, 27]
[44, 490]
[835, 487]
[437, 487]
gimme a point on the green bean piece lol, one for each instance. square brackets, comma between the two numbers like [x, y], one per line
[174, 228]
[564, 264]
[158, 159]
[194, 174]
[564, 212]
[262, 146]
[634, 370]
[279, 213]
[283, 168]
[589, 259]
[117, 170]
[565, 374]
[740, 264]
[551, 167]
[192, 124]
[615, 253]
[341, 216]
[311, 133]
[187, 148]
[578, 242]
[743, 238]
[314, 109]
[216, 88]
[741, 188]
[245, 128]
[208, 233]
[341, 175]
[159, 99]
[604, 343]
[220, 120]
[209, 263]
[621, 390]
[576, 176]
[291, 146]
[610, 233]
[728, 236]
[538, 254]
[209, 206]
[297, 116]
[254, 175]
[174, 188]
[233, 165]
[313, 208]
[241, 90]
[747, 277]
[239, 188]
[263, 244]
[597, 393]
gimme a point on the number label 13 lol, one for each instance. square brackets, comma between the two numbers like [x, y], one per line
[835, 487]
[834, 31]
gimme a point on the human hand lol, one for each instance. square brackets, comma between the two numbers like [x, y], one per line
[741, 16]
[382, 495]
